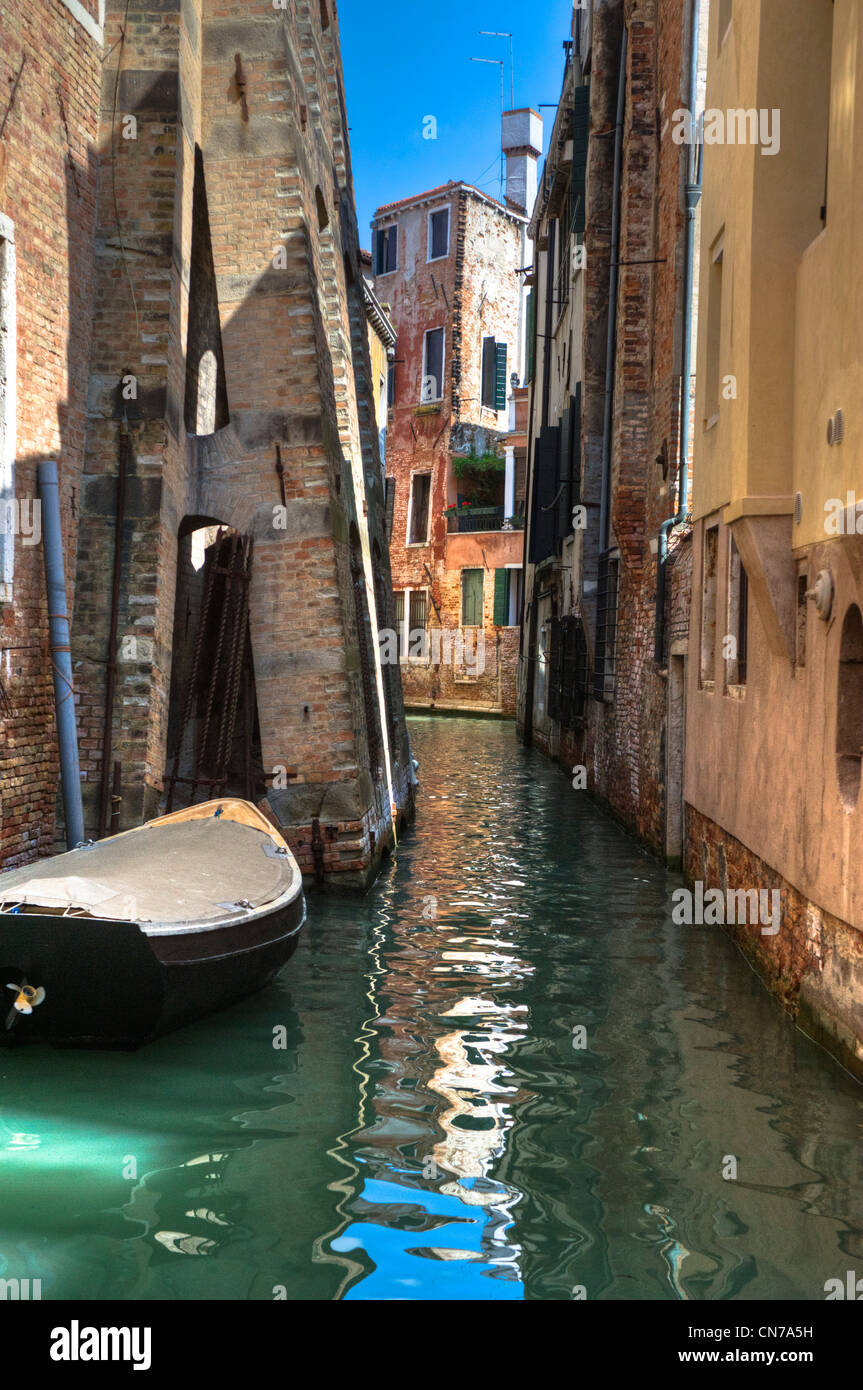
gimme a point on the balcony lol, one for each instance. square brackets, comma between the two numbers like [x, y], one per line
[468, 517]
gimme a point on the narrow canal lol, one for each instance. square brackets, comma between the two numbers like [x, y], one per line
[431, 1127]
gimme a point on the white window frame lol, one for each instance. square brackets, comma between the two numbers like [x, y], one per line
[433, 400]
[9, 371]
[430, 259]
[418, 473]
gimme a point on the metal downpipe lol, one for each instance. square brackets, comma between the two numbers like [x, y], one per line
[61, 654]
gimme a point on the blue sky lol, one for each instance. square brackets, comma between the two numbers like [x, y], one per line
[408, 59]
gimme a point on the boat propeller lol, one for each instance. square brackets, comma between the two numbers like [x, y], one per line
[27, 1000]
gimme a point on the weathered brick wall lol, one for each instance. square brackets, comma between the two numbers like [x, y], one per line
[235, 224]
[48, 191]
[626, 747]
[474, 292]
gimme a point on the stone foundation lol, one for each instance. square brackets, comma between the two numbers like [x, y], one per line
[814, 964]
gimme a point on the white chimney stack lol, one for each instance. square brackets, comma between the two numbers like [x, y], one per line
[521, 141]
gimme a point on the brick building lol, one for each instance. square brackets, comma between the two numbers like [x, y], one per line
[51, 65]
[605, 622]
[448, 262]
[231, 462]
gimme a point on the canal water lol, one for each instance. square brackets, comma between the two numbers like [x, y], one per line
[503, 1074]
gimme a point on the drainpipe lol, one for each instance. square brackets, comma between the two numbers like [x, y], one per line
[613, 280]
[111, 665]
[61, 654]
[693, 197]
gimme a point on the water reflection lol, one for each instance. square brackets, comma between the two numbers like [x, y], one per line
[429, 1130]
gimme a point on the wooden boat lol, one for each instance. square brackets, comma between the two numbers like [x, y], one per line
[137, 934]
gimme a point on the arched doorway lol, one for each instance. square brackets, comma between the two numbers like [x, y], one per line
[214, 741]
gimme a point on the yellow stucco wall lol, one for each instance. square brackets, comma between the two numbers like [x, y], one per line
[789, 305]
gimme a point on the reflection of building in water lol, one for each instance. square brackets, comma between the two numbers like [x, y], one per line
[442, 1110]
[473, 1084]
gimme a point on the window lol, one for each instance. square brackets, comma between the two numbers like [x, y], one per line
[708, 606]
[802, 587]
[738, 617]
[714, 332]
[607, 588]
[849, 713]
[418, 519]
[391, 385]
[494, 374]
[321, 205]
[418, 644]
[399, 619]
[438, 234]
[208, 373]
[516, 579]
[433, 352]
[507, 596]
[387, 250]
[471, 598]
[8, 409]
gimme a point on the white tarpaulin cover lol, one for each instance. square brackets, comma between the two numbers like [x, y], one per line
[189, 871]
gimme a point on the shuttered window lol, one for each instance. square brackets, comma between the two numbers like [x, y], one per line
[419, 611]
[494, 357]
[501, 598]
[419, 522]
[432, 383]
[471, 598]
[386, 245]
[439, 235]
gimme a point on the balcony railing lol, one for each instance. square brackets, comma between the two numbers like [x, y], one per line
[460, 520]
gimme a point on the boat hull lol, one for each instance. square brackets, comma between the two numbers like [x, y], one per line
[109, 984]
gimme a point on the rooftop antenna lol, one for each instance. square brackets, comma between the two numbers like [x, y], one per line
[498, 63]
[497, 34]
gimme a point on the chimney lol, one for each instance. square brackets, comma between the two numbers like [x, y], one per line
[521, 140]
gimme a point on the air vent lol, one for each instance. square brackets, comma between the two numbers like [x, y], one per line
[836, 428]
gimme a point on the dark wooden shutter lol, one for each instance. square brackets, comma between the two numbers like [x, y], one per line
[545, 485]
[580, 141]
[501, 598]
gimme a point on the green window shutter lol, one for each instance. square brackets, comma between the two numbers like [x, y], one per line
[471, 598]
[500, 376]
[531, 333]
[501, 598]
[580, 142]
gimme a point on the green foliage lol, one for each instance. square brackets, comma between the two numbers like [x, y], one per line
[472, 465]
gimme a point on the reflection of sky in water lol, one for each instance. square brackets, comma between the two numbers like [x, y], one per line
[452, 1257]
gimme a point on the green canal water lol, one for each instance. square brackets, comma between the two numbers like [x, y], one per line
[430, 1128]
